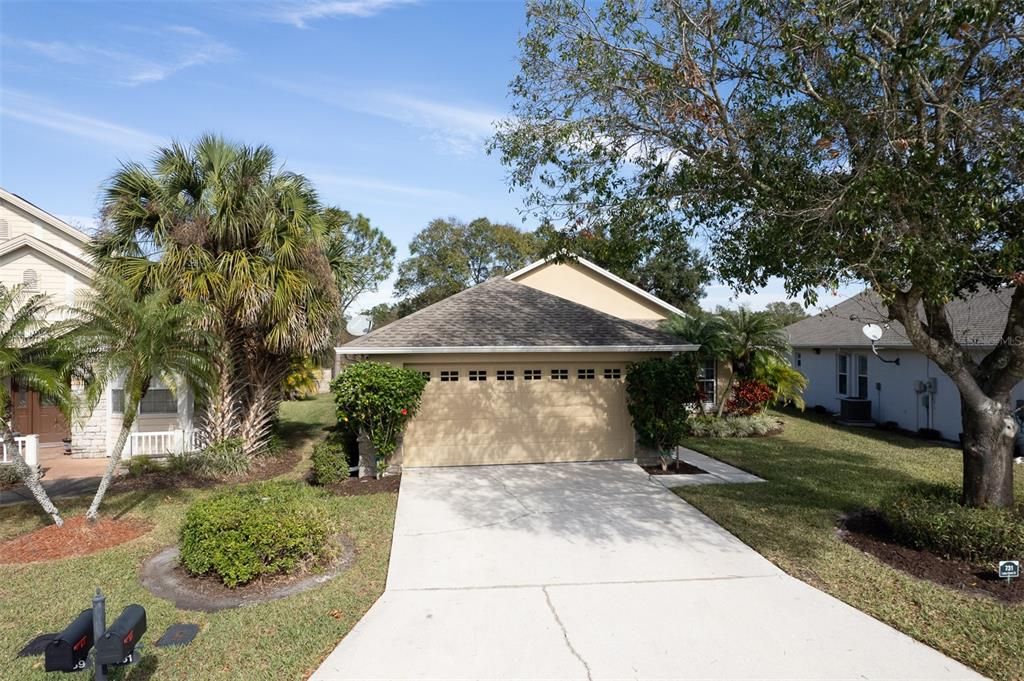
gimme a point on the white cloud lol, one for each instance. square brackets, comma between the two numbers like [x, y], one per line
[300, 13]
[456, 128]
[170, 49]
[373, 185]
[34, 111]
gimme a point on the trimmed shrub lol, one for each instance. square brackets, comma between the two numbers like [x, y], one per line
[733, 426]
[931, 517]
[8, 475]
[329, 462]
[253, 531]
[660, 392]
[220, 459]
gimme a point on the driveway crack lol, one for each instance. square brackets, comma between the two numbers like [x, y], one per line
[565, 634]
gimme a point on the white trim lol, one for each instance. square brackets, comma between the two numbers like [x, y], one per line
[37, 212]
[604, 273]
[356, 350]
[39, 246]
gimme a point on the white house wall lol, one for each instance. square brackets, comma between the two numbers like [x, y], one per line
[19, 222]
[890, 388]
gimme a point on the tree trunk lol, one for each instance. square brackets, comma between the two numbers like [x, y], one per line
[725, 393]
[30, 476]
[367, 457]
[115, 458]
[989, 432]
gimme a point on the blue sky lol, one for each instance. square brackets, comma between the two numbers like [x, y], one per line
[385, 104]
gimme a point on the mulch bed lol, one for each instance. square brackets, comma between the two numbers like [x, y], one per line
[354, 487]
[263, 468]
[677, 467]
[868, 532]
[163, 576]
[78, 537]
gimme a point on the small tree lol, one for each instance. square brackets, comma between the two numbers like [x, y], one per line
[29, 358]
[139, 341]
[661, 393]
[377, 399]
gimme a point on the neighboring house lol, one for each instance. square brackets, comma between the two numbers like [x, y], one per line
[526, 368]
[845, 377]
[47, 255]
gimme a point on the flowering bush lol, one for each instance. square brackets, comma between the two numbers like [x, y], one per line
[749, 396]
[378, 399]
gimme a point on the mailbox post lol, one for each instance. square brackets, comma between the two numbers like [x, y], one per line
[99, 624]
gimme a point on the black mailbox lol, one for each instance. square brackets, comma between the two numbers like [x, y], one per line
[122, 636]
[69, 652]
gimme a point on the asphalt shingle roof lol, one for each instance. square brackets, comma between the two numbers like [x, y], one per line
[977, 321]
[499, 313]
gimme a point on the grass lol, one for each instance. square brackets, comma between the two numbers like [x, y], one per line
[284, 639]
[817, 471]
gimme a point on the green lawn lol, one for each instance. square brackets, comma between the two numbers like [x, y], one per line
[817, 471]
[283, 639]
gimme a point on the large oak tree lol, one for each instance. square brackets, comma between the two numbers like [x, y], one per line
[821, 142]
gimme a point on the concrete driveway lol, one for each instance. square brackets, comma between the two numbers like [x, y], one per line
[592, 571]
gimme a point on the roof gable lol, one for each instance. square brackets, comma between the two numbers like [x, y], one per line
[50, 220]
[637, 303]
[977, 321]
[29, 242]
[501, 315]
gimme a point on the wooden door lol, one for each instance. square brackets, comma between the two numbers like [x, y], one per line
[36, 415]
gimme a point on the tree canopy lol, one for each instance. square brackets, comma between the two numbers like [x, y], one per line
[818, 142]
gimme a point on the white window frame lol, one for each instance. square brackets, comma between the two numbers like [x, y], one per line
[710, 397]
[861, 361]
[842, 372]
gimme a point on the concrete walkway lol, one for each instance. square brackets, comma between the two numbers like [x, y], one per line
[594, 571]
[63, 476]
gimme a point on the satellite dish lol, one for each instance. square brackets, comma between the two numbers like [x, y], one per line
[873, 332]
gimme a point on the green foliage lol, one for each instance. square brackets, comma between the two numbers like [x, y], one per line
[733, 426]
[220, 459]
[931, 517]
[9, 475]
[660, 393]
[709, 331]
[255, 531]
[302, 380]
[449, 255]
[360, 256]
[786, 313]
[144, 465]
[751, 336]
[329, 462]
[378, 399]
[786, 382]
[275, 446]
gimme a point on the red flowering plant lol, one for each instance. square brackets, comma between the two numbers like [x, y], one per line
[377, 400]
[749, 396]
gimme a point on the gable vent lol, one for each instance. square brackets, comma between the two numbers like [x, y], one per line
[30, 279]
[5, 229]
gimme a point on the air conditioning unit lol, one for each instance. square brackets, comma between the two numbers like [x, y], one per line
[855, 410]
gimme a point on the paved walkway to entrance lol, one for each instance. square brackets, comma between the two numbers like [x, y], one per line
[63, 476]
[594, 571]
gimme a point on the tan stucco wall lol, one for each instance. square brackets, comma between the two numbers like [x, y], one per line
[485, 422]
[584, 286]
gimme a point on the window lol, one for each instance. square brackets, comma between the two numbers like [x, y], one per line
[585, 374]
[158, 401]
[706, 381]
[449, 376]
[506, 374]
[478, 374]
[842, 374]
[862, 376]
[799, 359]
[425, 374]
[613, 374]
[30, 278]
[559, 374]
[531, 374]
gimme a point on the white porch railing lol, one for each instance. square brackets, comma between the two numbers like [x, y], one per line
[162, 443]
[28, 447]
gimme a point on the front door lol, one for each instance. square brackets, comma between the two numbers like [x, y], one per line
[36, 415]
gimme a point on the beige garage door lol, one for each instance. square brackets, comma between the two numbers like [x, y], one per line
[520, 413]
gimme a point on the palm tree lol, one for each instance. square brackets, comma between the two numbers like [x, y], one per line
[29, 357]
[708, 331]
[139, 340]
[750, 335]
[221, 224]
